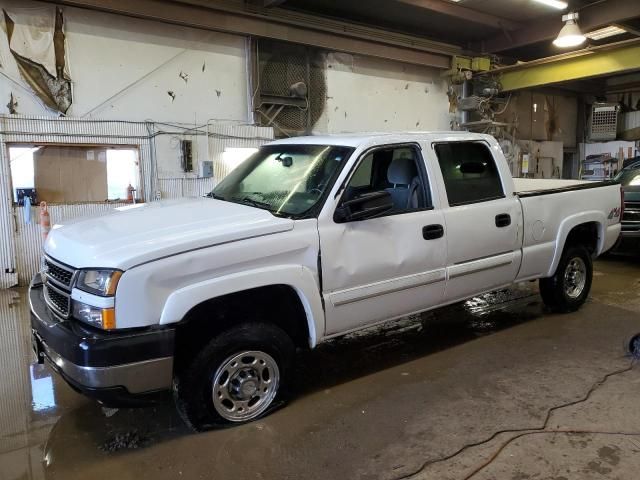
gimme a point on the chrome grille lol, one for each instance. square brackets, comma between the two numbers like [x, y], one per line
[631, 216]
[58, 279]
[58, 273]
[631, 212]
[57, 300]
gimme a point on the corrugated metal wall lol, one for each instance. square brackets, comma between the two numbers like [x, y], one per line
[68, 131]
[185, 187]
[7, 245]
[28, 237]
[222, 136]
[14, 377]
[21, 243]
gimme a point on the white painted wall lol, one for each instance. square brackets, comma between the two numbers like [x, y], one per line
[123, 68]
[369, 94]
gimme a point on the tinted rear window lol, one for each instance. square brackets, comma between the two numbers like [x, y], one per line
[470, 172]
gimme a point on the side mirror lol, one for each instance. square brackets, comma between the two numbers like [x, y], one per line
[367, 205]
[286, 161]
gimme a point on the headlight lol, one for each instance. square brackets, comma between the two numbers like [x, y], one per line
[99, 282]
[103, 318]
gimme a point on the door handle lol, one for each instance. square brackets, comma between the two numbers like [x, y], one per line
[431, 232]
[503, 220]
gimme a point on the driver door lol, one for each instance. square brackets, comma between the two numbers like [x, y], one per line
[391, 265]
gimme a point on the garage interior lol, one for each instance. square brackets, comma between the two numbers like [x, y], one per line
[109, 103]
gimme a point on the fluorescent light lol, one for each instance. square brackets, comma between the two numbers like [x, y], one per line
[605, 32]
[554, 3]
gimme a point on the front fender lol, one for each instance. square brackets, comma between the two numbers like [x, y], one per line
[301, 279]
[571, 222]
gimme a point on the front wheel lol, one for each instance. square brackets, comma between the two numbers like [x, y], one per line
[569, 287]
[236, 378]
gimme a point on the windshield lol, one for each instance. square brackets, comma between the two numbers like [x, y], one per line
[629, 176]
[284, 179]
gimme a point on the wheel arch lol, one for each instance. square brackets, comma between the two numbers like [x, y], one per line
[294, 285]
[586, 228]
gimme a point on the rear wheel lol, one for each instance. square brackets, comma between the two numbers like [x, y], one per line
[569, 287]
[238, 377]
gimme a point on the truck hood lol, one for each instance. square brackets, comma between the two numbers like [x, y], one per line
[136, 234]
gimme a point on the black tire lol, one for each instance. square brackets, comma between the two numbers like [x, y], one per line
[193, 387]
[633, 347]
[555, 290]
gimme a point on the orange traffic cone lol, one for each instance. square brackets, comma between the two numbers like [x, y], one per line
[45, 220]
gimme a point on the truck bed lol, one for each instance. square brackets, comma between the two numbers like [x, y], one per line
[550, 207]
[528, 187]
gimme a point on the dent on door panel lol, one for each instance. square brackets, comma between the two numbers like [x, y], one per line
[380, 268]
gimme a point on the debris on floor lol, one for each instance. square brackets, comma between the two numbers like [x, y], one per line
[130, 440]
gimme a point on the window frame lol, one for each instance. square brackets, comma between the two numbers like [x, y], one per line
[444, 183]
[140, 192]
[422, 172]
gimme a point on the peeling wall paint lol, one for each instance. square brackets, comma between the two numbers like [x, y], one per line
[35, 38]
[123, 69]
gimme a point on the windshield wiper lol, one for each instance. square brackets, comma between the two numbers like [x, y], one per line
[256, 203]
[215, 196]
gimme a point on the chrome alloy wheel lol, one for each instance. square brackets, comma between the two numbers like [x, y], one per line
[575, 277]
[245, 385]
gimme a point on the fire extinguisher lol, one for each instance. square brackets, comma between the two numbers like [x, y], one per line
[45, 220]
[130, 191]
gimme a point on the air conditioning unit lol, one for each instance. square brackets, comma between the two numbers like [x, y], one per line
[603, 125]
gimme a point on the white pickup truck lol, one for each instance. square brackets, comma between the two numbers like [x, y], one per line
[308, 239]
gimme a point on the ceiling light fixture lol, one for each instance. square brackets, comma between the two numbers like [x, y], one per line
[554, 3]
[570, 35]
[605, 32]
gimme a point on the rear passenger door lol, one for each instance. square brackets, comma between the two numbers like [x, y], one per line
[483, 218]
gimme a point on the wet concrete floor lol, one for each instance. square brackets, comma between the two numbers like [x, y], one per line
[493, 388]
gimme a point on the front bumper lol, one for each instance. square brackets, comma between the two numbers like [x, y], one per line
[117, 368]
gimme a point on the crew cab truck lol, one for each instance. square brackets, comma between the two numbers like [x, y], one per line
[310, 238]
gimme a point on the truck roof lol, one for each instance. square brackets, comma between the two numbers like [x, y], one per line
[374, 138]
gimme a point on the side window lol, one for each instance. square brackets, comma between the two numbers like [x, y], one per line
[395, 170]
[362, 176]
[470, 172]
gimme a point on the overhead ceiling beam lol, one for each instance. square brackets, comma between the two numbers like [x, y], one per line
[547, 28]
[628, 28]
[301, 29]
[463, 13]
[589, 63]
